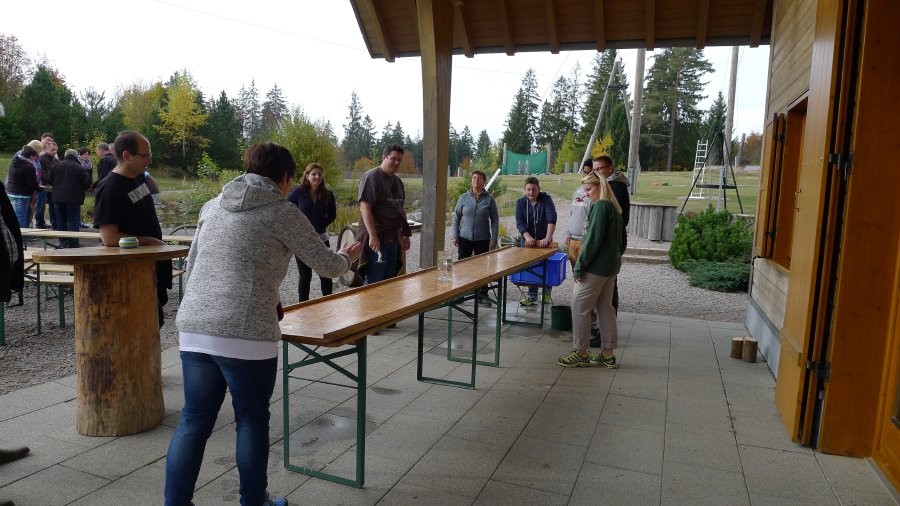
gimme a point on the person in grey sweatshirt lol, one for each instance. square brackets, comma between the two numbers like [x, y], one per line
[228, 319]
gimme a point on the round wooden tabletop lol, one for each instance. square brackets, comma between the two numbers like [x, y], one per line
[108, 255]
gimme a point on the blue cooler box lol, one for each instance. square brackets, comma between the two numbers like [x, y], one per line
[556, 272]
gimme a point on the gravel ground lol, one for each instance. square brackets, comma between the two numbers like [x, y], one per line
[30, 359]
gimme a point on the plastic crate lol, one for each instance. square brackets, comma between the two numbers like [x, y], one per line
[556, 272]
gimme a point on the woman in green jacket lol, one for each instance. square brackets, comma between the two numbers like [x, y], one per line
[595, 273]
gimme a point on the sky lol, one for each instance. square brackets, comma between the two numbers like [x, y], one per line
[314, 51]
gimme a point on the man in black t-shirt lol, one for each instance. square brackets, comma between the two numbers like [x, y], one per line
[383, 226]
[123, 206]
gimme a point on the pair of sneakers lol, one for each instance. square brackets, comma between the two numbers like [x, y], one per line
[575, 359]
[529, 300]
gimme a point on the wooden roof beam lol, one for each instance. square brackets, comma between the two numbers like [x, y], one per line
[413, 13]
[650, 20]
[381, 33]
[600, 25]
[462, 27]
[759, 15]
[702, 23]
[552, 32]
[503, 18]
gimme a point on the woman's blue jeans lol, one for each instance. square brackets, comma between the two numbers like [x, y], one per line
[22, 207]
[205, 379]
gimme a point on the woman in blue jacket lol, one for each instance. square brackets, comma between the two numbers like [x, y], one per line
[536, 222]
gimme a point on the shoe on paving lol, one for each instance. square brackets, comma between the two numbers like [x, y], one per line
[12, 454]
[485, 303]
[574, 360]
[526, 301]
[546, 298]
[275, 501]
[607, 362]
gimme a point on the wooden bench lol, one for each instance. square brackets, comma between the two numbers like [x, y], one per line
[64, 285]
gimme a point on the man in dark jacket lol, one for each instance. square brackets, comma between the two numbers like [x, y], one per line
[618, 182]
[12, 255]
[107, 161]
[69, 179]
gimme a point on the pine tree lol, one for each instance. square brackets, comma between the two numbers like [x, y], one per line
[223, 129]
[250, 112]
[522, 118]
[483, 146]
[594, 89]
[274, 110]
[45, 104]
[553, 123]
[674, 88]
[465, 148]
[358, 137]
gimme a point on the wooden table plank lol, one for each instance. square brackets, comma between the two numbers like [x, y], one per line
[354, 313]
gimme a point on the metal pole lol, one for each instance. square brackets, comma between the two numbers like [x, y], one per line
[590, 144]
[634, 159]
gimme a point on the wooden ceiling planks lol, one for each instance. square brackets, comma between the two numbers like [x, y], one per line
[390, 29]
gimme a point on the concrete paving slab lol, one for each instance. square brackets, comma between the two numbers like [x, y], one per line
[144, 486]
[564, 416]
[543, 464]
[661, 429]
[634, 412]
[696, 485]
[37, 397]
[705, 448]
[498, 493]
[599, 484]
[792, 475]
[123, 455]
[627, 448]
[498, 417]
[448, 470]
[56, 485]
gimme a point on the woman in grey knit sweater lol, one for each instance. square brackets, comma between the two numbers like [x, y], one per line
[228, 322]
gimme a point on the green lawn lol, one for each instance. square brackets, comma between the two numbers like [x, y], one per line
[668, 188]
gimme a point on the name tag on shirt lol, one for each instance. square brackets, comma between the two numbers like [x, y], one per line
[138, 193]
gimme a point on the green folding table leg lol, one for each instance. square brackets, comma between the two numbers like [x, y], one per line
[496, 361]
[440, 381]
[543, 291]
[314, 357]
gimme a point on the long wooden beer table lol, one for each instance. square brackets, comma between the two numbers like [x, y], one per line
[119, 378]
[346, 318]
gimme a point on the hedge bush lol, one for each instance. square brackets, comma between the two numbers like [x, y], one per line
[710, 235]
[726, 276]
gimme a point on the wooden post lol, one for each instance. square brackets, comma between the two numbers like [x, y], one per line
[117, 349]
[748, 354]
[737, 346]
[436, 46]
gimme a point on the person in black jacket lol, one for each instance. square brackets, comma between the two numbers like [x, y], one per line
[618, 181]
[12, 254]
[69, 179]
[107, 161]
[22, 183]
